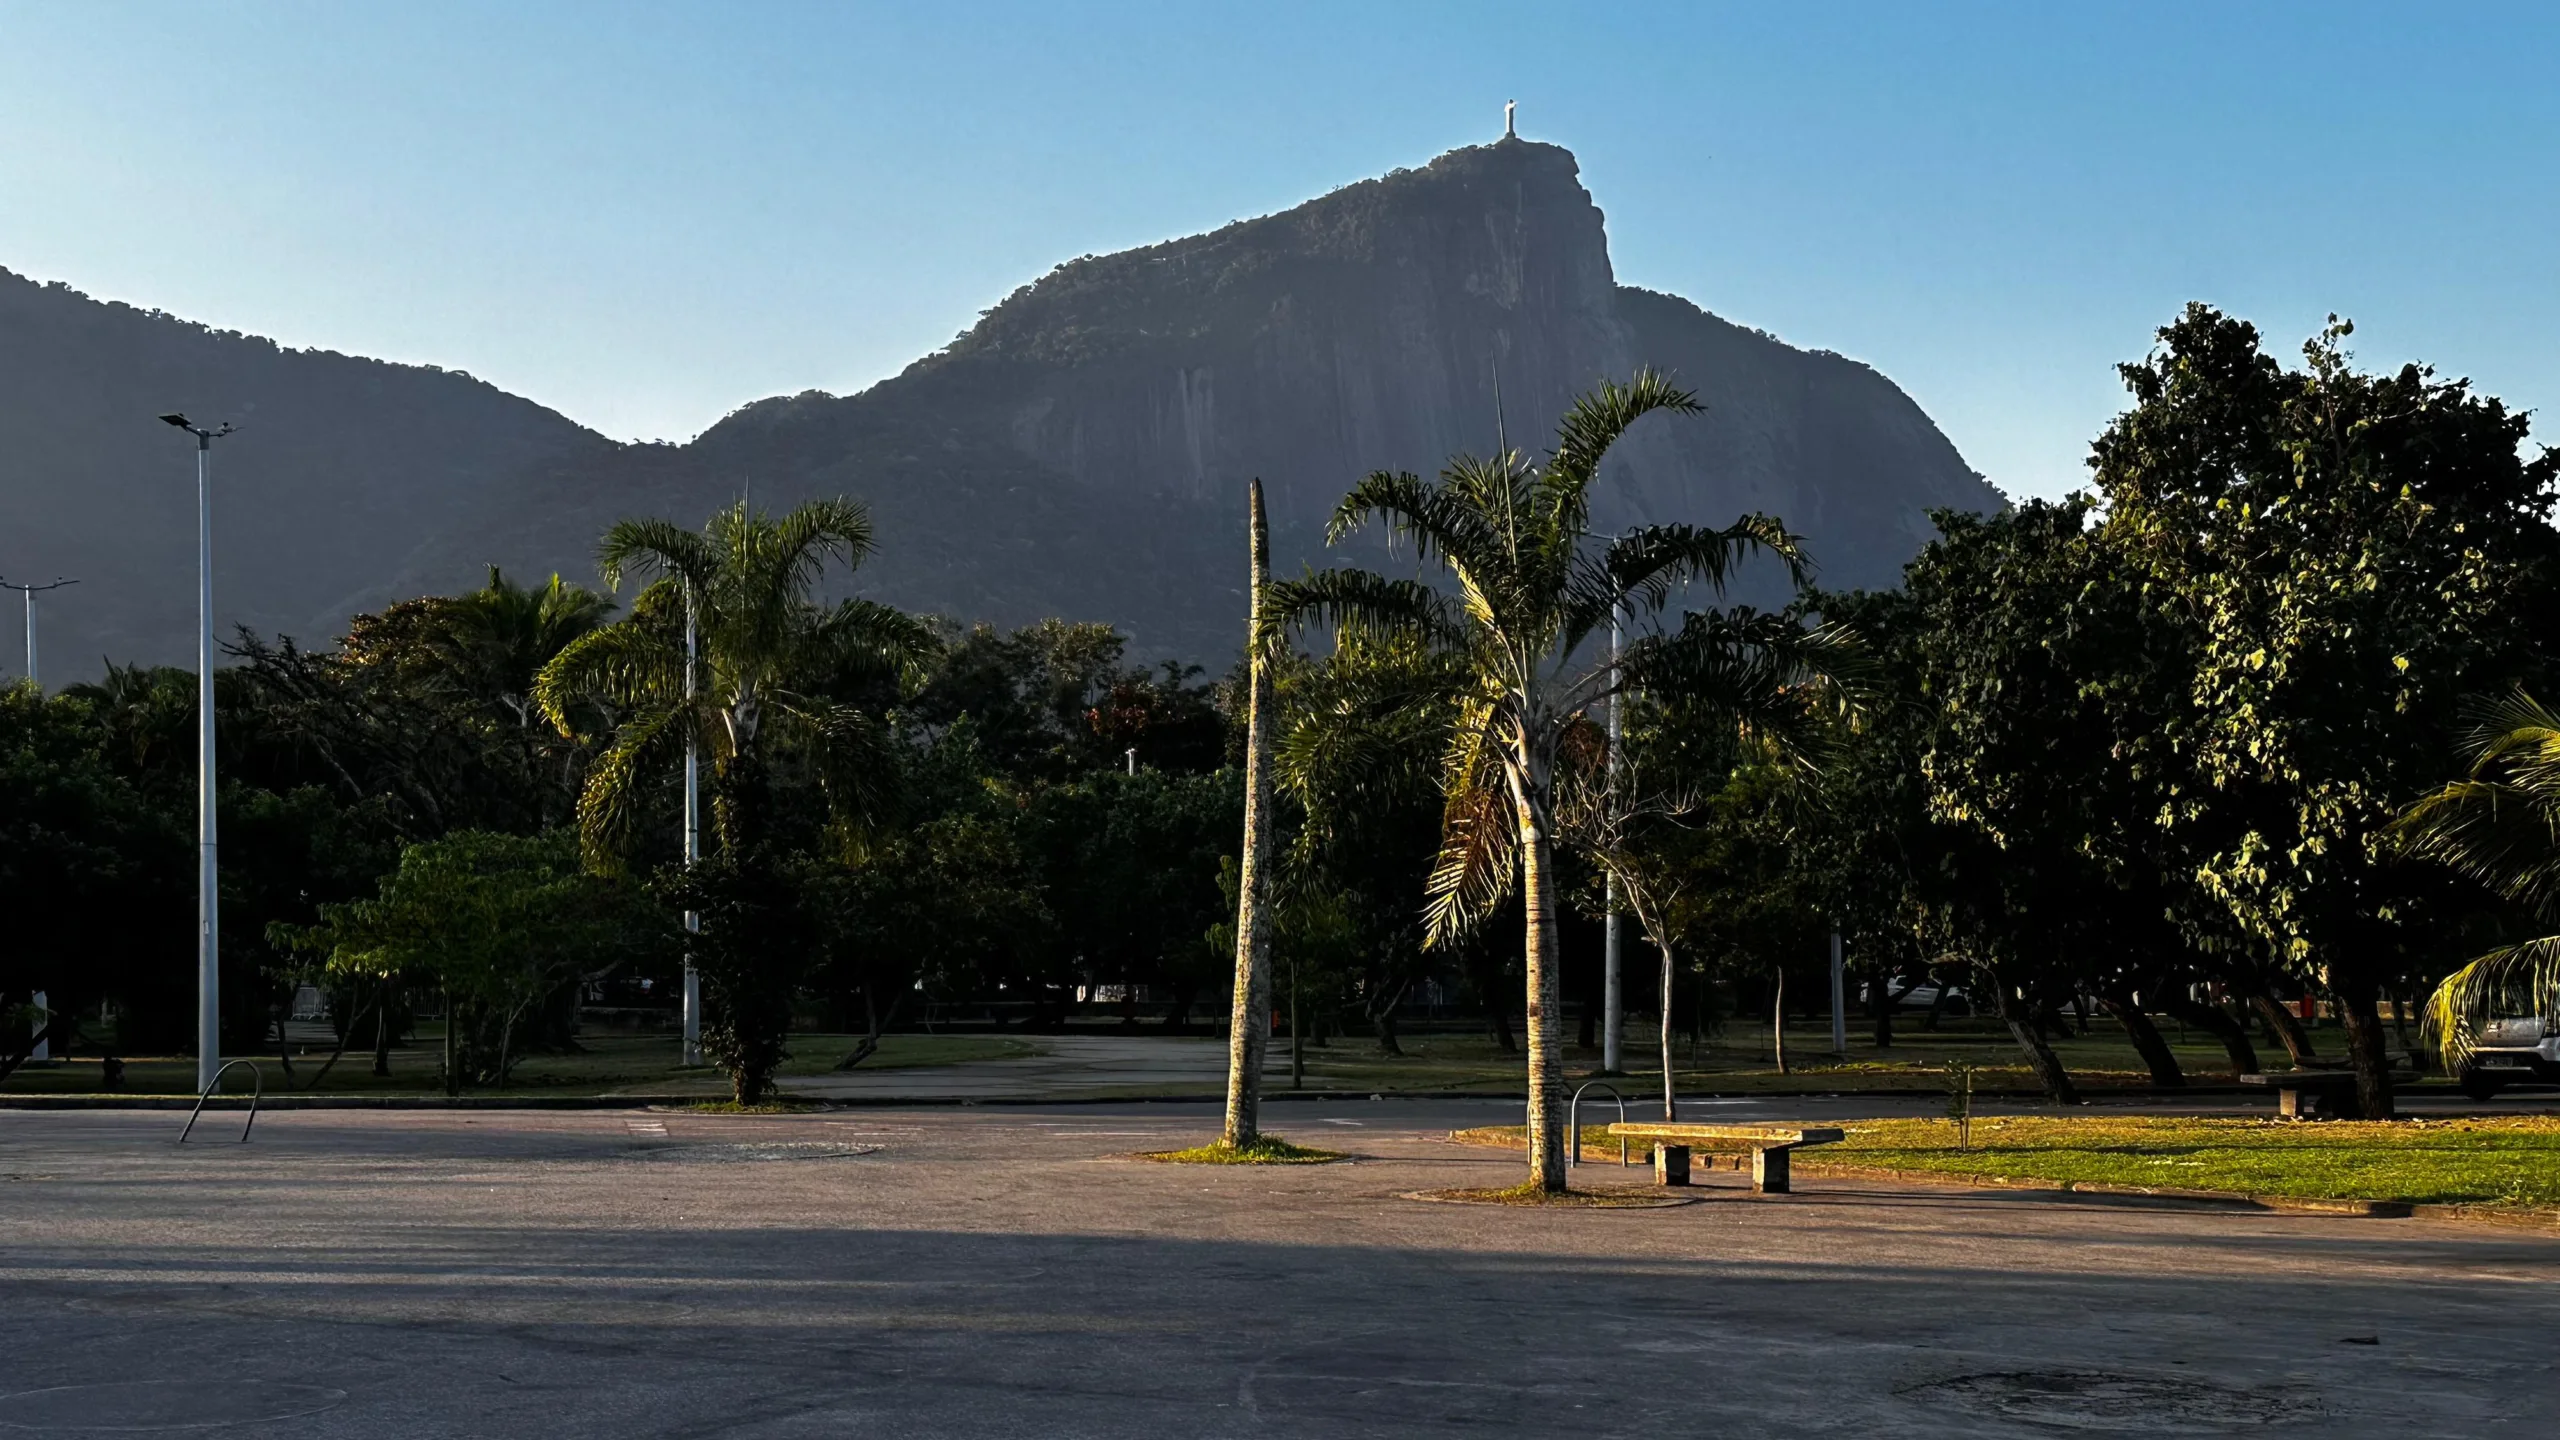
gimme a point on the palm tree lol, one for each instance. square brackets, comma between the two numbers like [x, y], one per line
[2500, 826]
[1247, 1028]
[729, 651]
[1532, 586]
[774, 665]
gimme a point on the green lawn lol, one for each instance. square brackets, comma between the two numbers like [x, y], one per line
[609, 1064]
[2504, 1161]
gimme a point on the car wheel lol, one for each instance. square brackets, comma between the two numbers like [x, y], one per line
[2478, 1084]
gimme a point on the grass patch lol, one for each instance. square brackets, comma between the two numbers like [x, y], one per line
[2511, 1161]
[783, 1106]
[2501, 1161]
[605, 1064]
[1267, 1150]
[1527, 1194]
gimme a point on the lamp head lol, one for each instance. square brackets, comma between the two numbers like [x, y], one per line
[178, 420]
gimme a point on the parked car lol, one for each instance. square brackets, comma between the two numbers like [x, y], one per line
[2510, 1051]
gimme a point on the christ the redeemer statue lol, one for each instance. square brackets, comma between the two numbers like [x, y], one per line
[1509, 131]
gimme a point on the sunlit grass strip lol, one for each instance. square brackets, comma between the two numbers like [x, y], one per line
[2503, 1161]
[2508, 1161]
[732, 1107]
[1528, 1194]
[1267, 1150]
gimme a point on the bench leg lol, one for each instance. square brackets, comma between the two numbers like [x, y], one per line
[1769, 1171]
[2288, 1104]
[1670, 1164]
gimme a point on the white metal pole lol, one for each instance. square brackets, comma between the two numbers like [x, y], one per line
[31, 640]
[1839, 998]
[208, 876]
[692, 840]
[1613, 1012]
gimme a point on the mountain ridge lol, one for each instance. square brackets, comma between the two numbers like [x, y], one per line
[1080, 449]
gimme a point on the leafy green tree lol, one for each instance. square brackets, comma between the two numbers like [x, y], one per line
[97, 877]
[496, 923]
[1531, 590]
[2352, 555]
[1055, 700]
[1360, 737]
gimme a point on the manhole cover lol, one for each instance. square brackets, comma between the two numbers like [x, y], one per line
[745, 1151]
[140, 1405]
[2101, 1400]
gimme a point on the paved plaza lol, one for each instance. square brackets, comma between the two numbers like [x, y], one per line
[979, 1272]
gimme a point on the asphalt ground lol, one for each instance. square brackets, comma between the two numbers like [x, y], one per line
[991, 1272]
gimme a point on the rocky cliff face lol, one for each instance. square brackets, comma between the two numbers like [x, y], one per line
[1122, 401]
[1081, 451]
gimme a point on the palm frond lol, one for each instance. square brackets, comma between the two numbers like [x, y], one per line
[1598, 419]
[2502, 825]
[1479, 836]
[652, 547]
[2512, 981]
[626, 667]
[1362, 598]
[614, 801]
[1433, 516]
[1643, 566]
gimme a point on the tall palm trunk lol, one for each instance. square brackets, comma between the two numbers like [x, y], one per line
[1248, 1028]
[1546, 1062]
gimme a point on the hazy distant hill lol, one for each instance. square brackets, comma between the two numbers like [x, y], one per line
[341, 466]
[1082, 450]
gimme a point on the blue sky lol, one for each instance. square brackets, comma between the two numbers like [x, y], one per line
[648, 214]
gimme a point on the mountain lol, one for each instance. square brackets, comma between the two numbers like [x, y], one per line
[1082, 450]
[339, 466]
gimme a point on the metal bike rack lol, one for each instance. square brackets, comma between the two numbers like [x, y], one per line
[258, 1084]
[1573, 1146]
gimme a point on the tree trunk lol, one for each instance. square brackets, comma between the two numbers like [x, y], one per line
[2216, 1021]
[874, 1022]
[57, 1024]
[382, 1032]
[1537, 895]
[2146, 1037]
[1297, 1035]
[2047, 1066]
[344, 1036]
[1778, 1022]
[1937, 1006]
[452, 1047]
[2287, 1028]
[1249, 1022]
[1382, 1017]
[2363, 1020]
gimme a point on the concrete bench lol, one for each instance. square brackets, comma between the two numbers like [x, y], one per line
[1769, 1146]
[2322, 1088]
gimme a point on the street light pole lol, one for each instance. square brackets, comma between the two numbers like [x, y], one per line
[208, 875]
[1613, 1027]
[692, 840]
[29, 591]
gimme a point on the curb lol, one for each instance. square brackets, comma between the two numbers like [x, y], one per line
[293, 1100]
